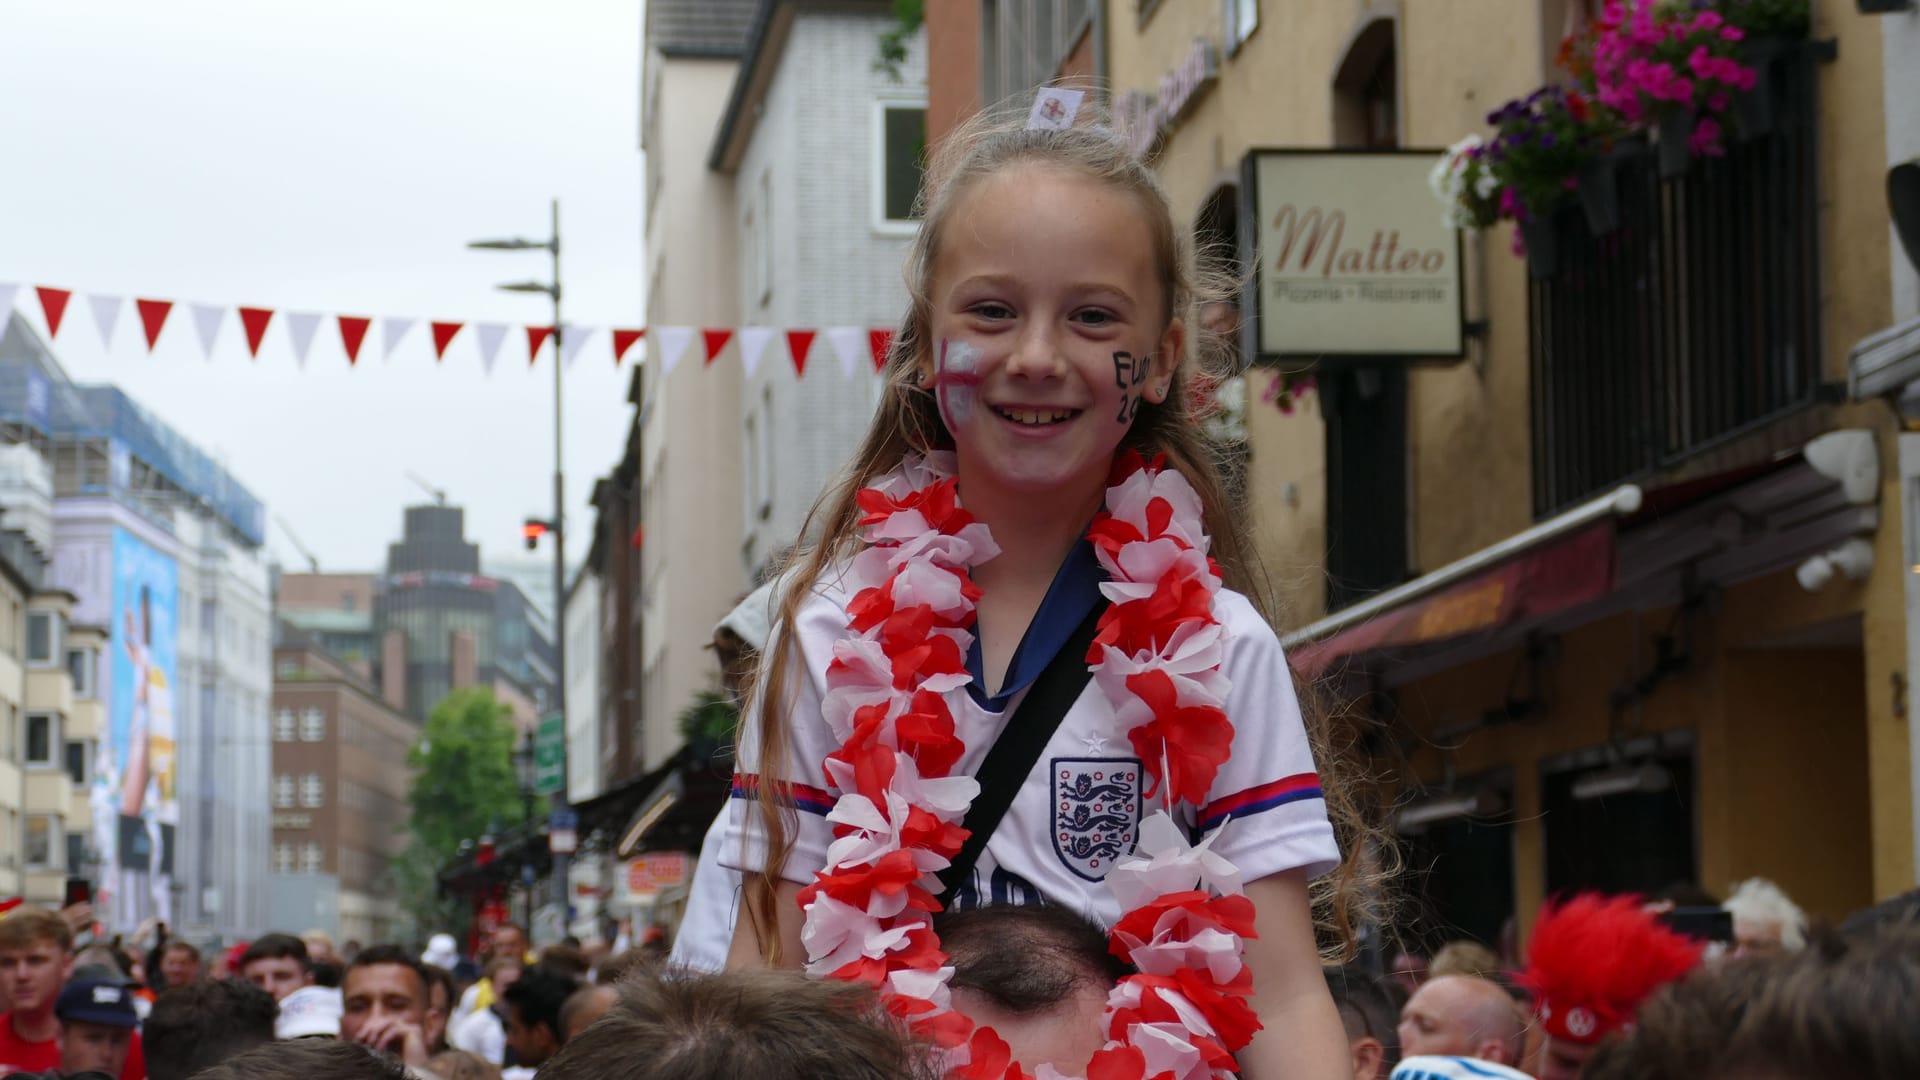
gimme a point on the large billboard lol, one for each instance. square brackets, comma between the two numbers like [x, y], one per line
[135, 795]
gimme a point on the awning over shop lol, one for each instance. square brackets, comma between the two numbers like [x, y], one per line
[1626, 550]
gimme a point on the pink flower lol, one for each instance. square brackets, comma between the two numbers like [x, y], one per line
[1706, 138]
[1510, 204]
[1706, 20]
[1732, 33]
[1718, 103]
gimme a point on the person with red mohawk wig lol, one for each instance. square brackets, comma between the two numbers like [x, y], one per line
[1593, 961]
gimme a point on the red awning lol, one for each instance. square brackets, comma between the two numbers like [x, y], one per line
[1561, 573]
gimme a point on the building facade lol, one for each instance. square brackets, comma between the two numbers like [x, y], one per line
[339, 797]
[22, 569]
[159, 549]
[690, 416]
[1716, 690]
[454, 625]
[62, 725]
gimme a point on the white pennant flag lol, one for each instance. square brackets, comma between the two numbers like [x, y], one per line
[491, 335]
[206, 323]
[301, 326]
[573, 341]
[391, 331]
[7, 289]
[106, 312]
[673, 342]
[753, 342]
[850, 344]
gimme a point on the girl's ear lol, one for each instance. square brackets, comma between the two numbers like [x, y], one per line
[1167, 358]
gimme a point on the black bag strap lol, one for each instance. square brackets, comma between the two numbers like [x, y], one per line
[1014, 753]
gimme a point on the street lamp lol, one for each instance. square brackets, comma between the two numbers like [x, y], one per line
[523, 758]
[551, 290]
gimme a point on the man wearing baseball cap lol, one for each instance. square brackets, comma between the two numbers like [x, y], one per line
[97, 1022]
[1593, 961]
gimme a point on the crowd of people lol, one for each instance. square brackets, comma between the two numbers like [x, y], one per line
[1607, 988]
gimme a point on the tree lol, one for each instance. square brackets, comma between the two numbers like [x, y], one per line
[463, 785]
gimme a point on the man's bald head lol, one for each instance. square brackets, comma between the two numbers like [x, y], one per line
[1463, 1016]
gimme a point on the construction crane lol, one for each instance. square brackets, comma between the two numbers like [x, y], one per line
[439, 495]
[312, 562]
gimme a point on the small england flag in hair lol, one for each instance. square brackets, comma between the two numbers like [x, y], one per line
[1054, 108]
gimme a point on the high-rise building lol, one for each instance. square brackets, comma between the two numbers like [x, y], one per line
[442, 624]
[159, 548]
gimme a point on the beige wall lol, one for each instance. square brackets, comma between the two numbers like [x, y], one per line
[325, 592]
[690, 453]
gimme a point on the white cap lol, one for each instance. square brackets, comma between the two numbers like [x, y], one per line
[752, 618]
[1453, 1068]
[310, 1010]
[441, 952]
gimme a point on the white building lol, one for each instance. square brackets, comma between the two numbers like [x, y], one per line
[160, 548]
[824, 151]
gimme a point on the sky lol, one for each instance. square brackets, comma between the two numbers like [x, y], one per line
[337, 158]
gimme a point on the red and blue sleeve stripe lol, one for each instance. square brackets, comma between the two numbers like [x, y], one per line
[811, 799]
[1253, 800]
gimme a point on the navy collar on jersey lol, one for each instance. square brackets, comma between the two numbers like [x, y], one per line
[1074, 592]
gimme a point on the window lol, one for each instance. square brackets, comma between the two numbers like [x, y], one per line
[43, 637]
[43, 734]
[80, 665]
[313, 725]
[765, 267]
[79, 852]
[78, 761]
[45, 840]
[283, 725]
[312, 859]
[763, 494]
[899, 163]
[282, 792]
[283, 858]
[285, 669]
[313, 791]
[1243, 17]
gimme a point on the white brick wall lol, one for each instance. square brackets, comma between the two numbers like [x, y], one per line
[815, 142]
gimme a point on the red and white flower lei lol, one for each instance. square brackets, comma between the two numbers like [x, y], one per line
[892, 686]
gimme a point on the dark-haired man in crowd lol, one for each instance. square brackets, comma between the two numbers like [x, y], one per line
[384, 1002]
[534, 1002]
[277, 963]
[97, 1023]
[203, 1024]
[179, 965]
[1039, 975]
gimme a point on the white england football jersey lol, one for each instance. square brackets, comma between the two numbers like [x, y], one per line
[1080, 809]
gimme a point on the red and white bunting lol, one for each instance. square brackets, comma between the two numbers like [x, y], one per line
[301, 326]
[573, 341]
[391, 331]
[53, 304]
[206, 325]
[622, 341]
[850, 345]
[536, 337]
[753, 344]
[254, 321]
[153, 316]
[353, 334]
[491, 334]
[716, 339]
[880, 343]
[106, 314]
[799, 344]
[443, 334]
[673, 342]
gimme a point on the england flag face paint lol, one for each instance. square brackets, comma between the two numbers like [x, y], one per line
[957, 382]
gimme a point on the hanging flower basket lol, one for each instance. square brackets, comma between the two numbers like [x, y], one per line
[1675, 140]
[1599, 191]
[1757, 111]
[1542, 240]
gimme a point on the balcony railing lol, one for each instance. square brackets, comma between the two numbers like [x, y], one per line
[1693, 322]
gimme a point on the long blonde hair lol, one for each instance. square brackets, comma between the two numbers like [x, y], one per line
[908, 421]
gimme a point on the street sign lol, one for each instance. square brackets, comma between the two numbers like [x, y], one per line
[550, 755]
[563, 832]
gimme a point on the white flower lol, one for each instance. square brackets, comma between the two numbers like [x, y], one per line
[1163, 862]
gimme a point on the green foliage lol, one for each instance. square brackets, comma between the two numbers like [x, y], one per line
[417, 889]
[463, 771]
[712, 717]
[909, 16]
[1786, 17]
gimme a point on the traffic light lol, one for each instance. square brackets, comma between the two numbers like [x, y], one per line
[533, 530]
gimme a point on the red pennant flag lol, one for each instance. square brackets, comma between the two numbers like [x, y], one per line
[353, 331]
[153, 316]
[881, 343]
[622, 341]
[53, 304]
[716, 341]
[255, 319]
[536, 337]
[799, 344]
[443, 333]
